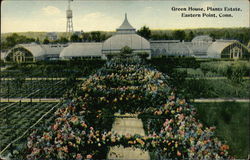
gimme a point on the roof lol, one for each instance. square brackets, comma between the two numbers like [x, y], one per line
[35, 49]
[125, 27]
[53, 49]
[126, 36]
[118, 41]
[198, 48]
[40, 50]
[204, 38]
[215, 49]
[164, 41]
[170, 49]
[82, 50]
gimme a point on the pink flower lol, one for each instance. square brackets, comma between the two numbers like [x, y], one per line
[89, 156]
[79, 156]
[178, 153]
[55, 127]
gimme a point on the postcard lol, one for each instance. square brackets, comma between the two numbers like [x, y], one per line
[126, 79]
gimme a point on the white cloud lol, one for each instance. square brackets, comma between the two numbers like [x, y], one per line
[51, 10]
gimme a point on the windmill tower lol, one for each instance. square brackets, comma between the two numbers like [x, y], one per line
[69, 15]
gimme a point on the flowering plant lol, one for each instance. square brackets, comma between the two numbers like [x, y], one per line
[82, 128]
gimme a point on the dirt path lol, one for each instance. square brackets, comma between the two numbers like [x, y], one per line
[39, 79]
[200, 100]
[55, 100]
[63, 78]
[127, 124]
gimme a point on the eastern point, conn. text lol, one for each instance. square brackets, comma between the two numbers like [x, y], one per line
[206, 11]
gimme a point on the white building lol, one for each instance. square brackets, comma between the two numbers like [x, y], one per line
[201, 46]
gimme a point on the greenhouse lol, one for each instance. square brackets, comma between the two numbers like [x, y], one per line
[33, 52]
[126, 36]
[169, 48]
[201, 46]
[227, 49]
[82, 50]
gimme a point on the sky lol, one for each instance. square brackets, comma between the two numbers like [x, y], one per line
[91, 15]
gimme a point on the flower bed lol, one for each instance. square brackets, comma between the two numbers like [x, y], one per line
[82, 129]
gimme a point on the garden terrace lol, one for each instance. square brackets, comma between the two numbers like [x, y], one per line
[18, 117]
[33, 88]
[206, 78]
[82, 128]
[72, 68]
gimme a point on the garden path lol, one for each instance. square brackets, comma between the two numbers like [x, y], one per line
[56, 100]
[127, 124]
[40, 79]
[82, 79]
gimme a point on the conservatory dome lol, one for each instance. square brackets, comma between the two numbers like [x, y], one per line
[202, 38]
[125, 36]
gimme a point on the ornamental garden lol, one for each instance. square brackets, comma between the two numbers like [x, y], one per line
[82, 128]
[158, 93]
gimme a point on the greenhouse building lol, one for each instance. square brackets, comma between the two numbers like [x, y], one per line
[201, 46]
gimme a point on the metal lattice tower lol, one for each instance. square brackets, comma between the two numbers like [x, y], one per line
[69, 15]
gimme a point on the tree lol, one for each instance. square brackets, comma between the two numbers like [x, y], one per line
[226, 35]
[75, 38]
[14, 39]
[126, 50]
[63, 40]
[86, 37]
[190, 36]
[96, 36]
[103, 37]
[37, 40]
[212, 35]
[145, 32]
[46, 41]
[179, 34]
[11, 41]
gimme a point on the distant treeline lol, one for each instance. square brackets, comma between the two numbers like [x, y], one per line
[9, 40]
[240, 34]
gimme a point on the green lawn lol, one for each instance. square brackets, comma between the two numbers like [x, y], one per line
[212, 88]
[191, 72]
[224, 88]
[232, 122]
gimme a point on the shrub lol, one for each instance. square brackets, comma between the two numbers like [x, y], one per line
[224, 67]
